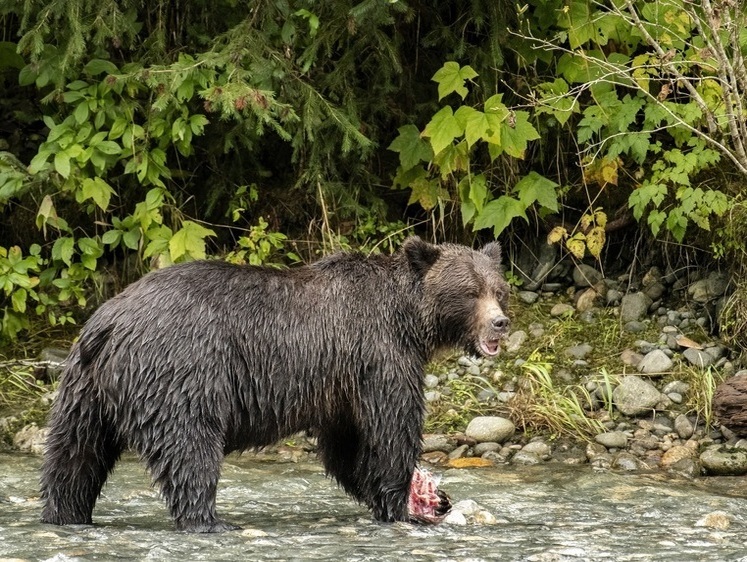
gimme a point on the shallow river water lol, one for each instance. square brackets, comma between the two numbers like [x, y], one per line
[290, 511]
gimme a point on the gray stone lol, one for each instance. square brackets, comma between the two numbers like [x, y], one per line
[614, 297]
[481, 448]
[683, 426]
[634, 306]
[525, 458]
[561, 309]
[437, 442]
[586, 276]
[536, 330]
[687, 467]
[717, 282]
[459, 452]
[430, 381]
[432, 395]
[626, 461]
[31, 439]
[539, 448]
[634, 327]
[654, 291]
[578, 351]
[630, 357]
[528, 297]
[679, 387]
[675, 397]
[716, 351]
[724, 461]
[634, 396]
[655, 361]
[698, 358]
[612, 439]
[490, 429]
[515, 341]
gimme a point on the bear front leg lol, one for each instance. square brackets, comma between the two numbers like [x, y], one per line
[390, 445]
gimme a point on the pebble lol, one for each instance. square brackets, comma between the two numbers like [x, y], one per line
[430, 381]
[490, 429]
[634, 306]
[655, 362]
[561, 309]
[525, 458]
[515, 341]
[579, 351]
[528, 297]
[539, 448]
[698, 358]
[612, 439]
[626, 461]
[634, 396]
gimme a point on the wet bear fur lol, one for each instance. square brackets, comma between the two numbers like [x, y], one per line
[197, 360]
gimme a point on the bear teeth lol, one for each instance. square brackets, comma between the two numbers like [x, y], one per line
[490, 347]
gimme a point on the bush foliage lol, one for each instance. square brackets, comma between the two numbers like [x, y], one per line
[140, 134]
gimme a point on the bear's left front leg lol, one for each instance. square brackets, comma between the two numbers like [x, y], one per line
[390, 445]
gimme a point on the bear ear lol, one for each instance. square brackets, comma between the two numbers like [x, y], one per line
[420, 254]
[493, 251]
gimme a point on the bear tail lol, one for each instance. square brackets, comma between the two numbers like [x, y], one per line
[81, 447]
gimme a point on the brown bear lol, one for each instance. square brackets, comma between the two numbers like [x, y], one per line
[197, 360]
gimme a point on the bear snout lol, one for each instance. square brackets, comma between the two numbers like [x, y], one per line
[500, 323]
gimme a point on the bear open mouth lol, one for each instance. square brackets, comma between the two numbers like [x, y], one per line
[490, 348]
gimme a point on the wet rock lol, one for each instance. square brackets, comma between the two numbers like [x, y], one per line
[469, 511]
[634, 327]
[719, 520]
[676, 454]
[539, 448]
[586, 276]
[634, 396]
[515, 341]
[688, 467]
[698, 358]
[490, 429]
[724, 461]
[612, 439]
[626, 461]
[525, 458]
[595, 449]
[460, 452]
[655, 361]
[634, 306]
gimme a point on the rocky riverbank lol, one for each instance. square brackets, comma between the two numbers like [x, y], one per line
[617, 373]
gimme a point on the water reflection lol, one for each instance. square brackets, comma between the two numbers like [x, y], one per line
[292, 512]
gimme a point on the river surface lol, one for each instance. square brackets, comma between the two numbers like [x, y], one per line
[290, 511]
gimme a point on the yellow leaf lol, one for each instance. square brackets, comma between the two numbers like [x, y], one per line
[595, 241]
[576, 245]
[557, 234]
[600, 218]
[609, 171]
[586, 222]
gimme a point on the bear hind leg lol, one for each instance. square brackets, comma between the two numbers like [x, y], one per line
[81, 451]
[188, 480]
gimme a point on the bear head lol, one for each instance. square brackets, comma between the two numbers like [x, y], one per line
[465, 297]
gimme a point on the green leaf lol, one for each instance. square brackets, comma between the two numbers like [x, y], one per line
[97, 66]
[451, 78]
[189, 241]
[63, 249]
[426, 192]
[19, 300]
[197, 123]
[131, 238]
[442, 129]
[62, 163]
[499, 213]
[516, 135]
[111, 237]
[534, 187]
[411, 147]
[98, 190]
[108, 147]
